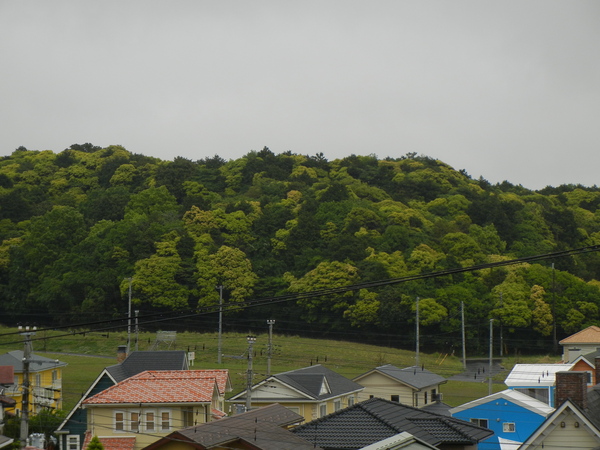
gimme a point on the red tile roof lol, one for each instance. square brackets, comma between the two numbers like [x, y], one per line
[112, 443]
[162, 386]
[589, 335]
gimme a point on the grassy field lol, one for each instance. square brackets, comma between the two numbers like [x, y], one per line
[87, 354]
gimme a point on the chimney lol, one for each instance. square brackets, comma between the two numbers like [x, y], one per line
[121, 353]
[572, 386]
[597, 370]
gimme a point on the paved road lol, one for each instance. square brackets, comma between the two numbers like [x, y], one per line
[478, 370]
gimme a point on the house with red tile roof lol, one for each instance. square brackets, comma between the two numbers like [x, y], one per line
[581, 343]
[141, 409]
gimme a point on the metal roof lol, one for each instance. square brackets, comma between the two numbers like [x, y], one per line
[542, 375]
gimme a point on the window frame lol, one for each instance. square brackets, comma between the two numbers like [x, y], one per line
[121, 421]
[480, 422]
[509, 425]
[162, 421]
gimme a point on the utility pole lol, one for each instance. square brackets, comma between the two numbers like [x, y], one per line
[491, 352]
[251, 341]
[555, 342]
[129, 319]
[501, 339]
[417, 359]
[270, 322]
[137, 330]
[27, 351]
[464, 347]
[219, 350]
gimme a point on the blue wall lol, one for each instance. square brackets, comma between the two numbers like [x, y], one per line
[526, 422]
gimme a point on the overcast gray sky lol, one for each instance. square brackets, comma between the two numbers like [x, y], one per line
[506, 90]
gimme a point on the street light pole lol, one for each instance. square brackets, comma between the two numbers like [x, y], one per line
[220, 288]
[251, 341]
[270, 322]
[26, 385]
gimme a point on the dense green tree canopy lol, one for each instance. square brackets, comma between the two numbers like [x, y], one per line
[75, 226]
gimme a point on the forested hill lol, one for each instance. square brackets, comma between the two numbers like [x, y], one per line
[75, 225]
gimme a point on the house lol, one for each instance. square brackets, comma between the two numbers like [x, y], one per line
[415, 386]
[312, 392]
[263, 428]
[147, 406]
[71, 431]
[581, 343]
[587, 363]
[535, 380]
[45, 381]
[510, 414]
[401, 441]
[575, 424]
[376, 419]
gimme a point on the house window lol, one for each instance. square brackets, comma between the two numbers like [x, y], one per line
[416, 399]
[38, 379]
[73, 442]
[323, 410]
[425, 397]
[165, 421]
[337, 405]
[351, 400]
[508, 427]
[480, 422]
[395, 398]
[149, 420]
[134, 421]
[119, 421]
[188, 417]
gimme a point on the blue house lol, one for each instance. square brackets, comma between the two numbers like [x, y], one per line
[513, 416]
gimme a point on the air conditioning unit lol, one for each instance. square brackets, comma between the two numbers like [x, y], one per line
[437, 397]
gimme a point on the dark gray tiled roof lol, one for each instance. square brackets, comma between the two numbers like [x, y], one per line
[376, 419]
[440, 408]
[417, 377]
[593, 404]
[38, 363]
[260, 427]
[310, 380]
[138, 362]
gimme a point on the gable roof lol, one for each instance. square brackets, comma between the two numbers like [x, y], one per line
[551, 422]
[415, 376]
[313, 383]
[37, 363]
[403, 440]
[166, 386]
[141, 361]
[516, 397]
[137, 362]
[542, 375]
[262, 428]
[377, 419]
[589, 335]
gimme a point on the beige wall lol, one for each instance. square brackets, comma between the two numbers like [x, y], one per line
[382, 386]
[570, 437]
[104, 421]
[312, 410]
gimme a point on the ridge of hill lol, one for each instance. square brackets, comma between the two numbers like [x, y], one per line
[82, 228]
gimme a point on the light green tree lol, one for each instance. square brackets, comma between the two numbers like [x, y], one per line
[228, 267]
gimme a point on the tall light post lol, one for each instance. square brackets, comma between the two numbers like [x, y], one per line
[129, 318]
[251, 340]
[220, 288]
[270, 322]
[27, 350]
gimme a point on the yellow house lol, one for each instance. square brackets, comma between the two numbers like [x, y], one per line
[312, 392]
[45, 382]
[413, 386]
[141, 409]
